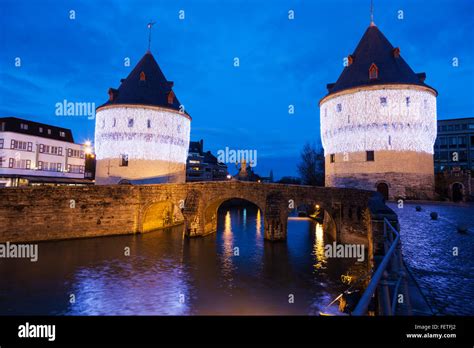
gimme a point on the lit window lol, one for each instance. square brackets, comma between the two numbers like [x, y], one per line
[332, 158]
[370, 156]
[41, 129]
[142, 76]
[62, 134]
[339, 107]
[49, 131]
[130, 122]
[373, 72]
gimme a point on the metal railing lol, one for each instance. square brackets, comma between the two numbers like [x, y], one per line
[380, 277]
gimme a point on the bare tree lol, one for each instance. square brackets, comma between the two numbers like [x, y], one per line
[311, 166]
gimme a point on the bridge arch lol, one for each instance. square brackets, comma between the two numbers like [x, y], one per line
[211, 209]
[158, 215]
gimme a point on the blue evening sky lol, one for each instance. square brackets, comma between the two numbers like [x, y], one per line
[282, 61]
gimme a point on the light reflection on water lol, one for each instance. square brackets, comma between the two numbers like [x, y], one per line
[167, 274]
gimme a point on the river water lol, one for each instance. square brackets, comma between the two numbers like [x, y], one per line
[233, 271]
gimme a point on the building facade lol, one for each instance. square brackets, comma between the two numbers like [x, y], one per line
[33, 153]
[378, 123]
[203, 166]
[142, 131]
[454, 146]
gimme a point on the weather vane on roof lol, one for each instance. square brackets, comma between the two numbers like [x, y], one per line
[371, 12]
[149, 25]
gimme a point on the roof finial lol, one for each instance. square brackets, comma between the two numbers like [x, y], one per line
[149, 25]
[372, 24]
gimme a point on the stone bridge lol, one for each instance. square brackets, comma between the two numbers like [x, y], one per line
[48, 213]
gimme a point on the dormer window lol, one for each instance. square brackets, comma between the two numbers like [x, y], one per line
[170, 97]
[142, 76]
[373, 72]
[396, 52]
[350, 59]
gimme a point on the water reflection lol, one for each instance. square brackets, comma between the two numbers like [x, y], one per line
[319, 247]
[167, 274]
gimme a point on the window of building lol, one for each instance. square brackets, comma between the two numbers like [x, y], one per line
[450, 128]
[443, 128]
[464, 126]
[462, 142]
[1, 143]
[453, 141]
[1, 161]
[148, 123]
[457, 127]
[114, 123]
[389, 140]
[442, 143]
[124, 160]
[472, 140]
[130, 122]
[383, 101]
[40, 165]
[142, 76]
[339, 107]
[40, 129]
[370, 157]
[425, 104]
[49, 131]
[332, 158]
[373, 72]
[24, 126]
[471, 126]
[407, 100]
[62, 134]
[10, 162]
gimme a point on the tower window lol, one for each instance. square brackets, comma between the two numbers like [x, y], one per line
[142, 76]
[123, 160]
[114, 123]
[373, 72]
[148, 123]
[339, 107]
[332, 158]
[408, 101]
[383, 101]
[369, 156]
[170, 97]
[130, 122]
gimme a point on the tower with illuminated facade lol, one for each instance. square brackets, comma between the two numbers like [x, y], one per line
[378, 123]
[142, 132]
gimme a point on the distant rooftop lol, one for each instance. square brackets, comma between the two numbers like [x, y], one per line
[19, 125]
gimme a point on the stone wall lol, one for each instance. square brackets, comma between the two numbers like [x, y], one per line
[409, 175]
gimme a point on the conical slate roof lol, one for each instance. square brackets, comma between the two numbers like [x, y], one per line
[145, 85]
[374, 48]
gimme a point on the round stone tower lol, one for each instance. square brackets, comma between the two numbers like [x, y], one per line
[142, 132]
[378, 123]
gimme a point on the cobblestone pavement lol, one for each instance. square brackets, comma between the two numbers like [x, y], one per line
[429, 248]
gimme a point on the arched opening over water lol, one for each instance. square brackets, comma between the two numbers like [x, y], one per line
[457, 192]
[159, 215]
[382, 188]
[219, 206]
